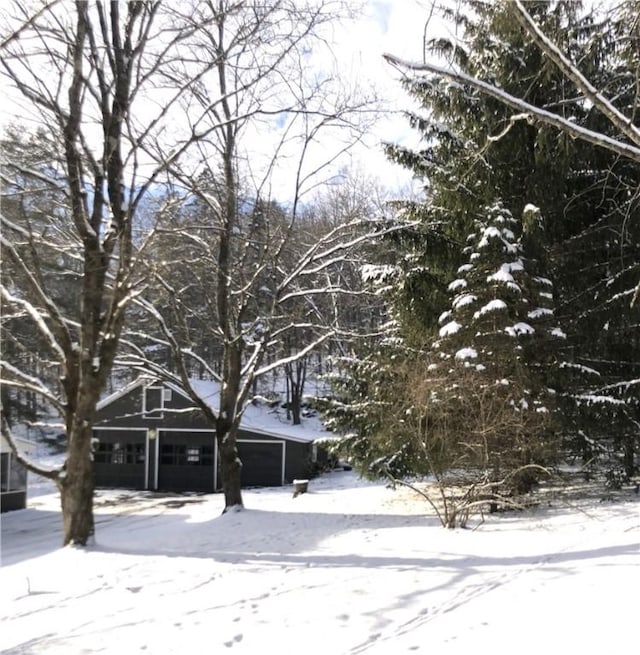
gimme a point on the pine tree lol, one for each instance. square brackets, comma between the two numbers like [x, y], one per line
[474, 154]
[367, 414]
[495, 354]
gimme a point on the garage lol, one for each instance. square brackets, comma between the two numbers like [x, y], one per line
[149, 435]
[262, 463]
[186, 461]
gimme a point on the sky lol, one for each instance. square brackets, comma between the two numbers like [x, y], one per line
[394, 26]
[348, 568]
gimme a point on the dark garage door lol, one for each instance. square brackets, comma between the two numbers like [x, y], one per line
[119, 459]
[185, 461]
[261, 463]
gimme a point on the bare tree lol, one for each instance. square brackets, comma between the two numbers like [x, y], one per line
[101, 81]
[257, 272]
[271, 302]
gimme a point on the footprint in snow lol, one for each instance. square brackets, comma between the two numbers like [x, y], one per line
[235, 640]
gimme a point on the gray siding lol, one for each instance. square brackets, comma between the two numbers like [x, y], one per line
[128, 411]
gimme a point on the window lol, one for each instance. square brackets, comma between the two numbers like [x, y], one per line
[153, 399]
[102, 453]
[179, 455]
[171, 455]
[116, 453]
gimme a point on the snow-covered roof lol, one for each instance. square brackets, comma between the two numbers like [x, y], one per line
[24, 445]
[257, 417]
[112, 397]
[265, 420]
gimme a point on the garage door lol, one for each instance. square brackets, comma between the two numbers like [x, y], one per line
[185, 461]
[262, 463]
[119, 459]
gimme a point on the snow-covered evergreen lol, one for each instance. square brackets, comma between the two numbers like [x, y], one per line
[501, 314]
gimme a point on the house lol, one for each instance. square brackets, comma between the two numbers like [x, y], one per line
[150, 436]
[13, 476]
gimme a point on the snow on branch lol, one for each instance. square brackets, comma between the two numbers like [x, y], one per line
[529, 112]
[295, 356]
[323, 254]
[38, 319]
[618, 119]
[14, 377]
[329, 289]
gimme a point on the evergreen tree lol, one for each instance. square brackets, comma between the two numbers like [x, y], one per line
[496, 352]
[475, 153]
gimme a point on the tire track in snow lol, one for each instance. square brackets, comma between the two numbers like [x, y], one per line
[463, 597]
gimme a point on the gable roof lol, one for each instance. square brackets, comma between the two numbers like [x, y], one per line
[257, 417]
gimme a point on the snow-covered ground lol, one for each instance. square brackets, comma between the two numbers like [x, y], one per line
[350, 567]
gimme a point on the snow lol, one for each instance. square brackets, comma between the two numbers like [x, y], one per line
[492, 306]
[558, 332]
[377, 273]
[490, 232]
[349, 567]
[543, 280]
[464, 299]
[503, 274]
[579, 367]
[466, 353]
[518, 329]
[595, 399]
[458, 284]
[539, 312]
[263, 419]
[450, 328]
[444, 316]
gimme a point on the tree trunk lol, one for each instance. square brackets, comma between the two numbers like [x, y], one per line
[628, 451]
[77, 485]
[296, 407]
[230, 466]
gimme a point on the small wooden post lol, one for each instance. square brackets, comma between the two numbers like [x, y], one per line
[300, 487]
